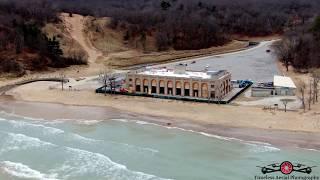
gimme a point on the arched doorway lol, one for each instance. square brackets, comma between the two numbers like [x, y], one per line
[145, 86]
[195, 88]
[186, 89]
[204, 90]
[178, 88]
[153, 86]
[138, 85]
[161, 87]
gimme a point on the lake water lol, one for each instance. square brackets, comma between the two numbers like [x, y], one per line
[120, 150]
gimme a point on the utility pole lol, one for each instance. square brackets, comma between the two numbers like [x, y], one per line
[62, 77]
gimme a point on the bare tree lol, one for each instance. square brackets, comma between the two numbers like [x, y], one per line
[310, 94]
[285, 102]
[316, 80]
[302, 89]
[284, 50]
[107, 77]
[62, 77]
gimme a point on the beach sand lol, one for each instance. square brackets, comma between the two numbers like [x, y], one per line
[249, 123]
[228, 115]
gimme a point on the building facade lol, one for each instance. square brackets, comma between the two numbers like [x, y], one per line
[179, 83]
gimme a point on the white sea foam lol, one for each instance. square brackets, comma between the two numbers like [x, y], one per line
[80, 121]
[55, 131]
[82, 162]
[46, 129]
[121, 120]
[21, 142]
[315, 150]
[257, 146]
[44, 121]
[143, 122]
[217, 137]
[138, 148]
[33, 124]
[51, 131]
[31, 119]
[23, 171]
[52, 122]
[84, 139]
[88, 122]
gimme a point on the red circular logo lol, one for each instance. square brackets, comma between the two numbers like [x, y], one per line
[286, 167]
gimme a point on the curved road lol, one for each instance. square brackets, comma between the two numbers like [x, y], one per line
[254, 63]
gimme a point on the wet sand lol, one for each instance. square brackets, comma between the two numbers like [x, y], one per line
[54, 111]
[226, 115]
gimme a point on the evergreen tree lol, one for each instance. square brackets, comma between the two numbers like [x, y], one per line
[165, 5]
[316, 28]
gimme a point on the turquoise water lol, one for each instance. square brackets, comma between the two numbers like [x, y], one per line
[117, 150]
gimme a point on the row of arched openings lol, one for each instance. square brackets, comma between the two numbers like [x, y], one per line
[167, 87]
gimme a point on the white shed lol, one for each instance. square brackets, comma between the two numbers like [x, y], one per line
[284, 86]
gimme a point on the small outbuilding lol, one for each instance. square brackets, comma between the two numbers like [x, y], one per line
[284, 86]
[281, 86]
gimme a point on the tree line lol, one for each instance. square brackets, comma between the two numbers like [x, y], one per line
[197, 24]
[300, 46]
[23, 46]
[178, 24]
[181, 24]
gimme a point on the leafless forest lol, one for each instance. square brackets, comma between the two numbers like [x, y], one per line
[178, 24]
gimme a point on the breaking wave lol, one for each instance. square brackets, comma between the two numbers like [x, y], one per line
[61, 134]
[78, 163]
[256, 148]
[82, 162]
[14, 141]
[23, 171]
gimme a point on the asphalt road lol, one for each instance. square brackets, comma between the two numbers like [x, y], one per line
[255, 63]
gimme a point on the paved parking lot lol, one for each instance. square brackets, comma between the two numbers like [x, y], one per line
[255, 63]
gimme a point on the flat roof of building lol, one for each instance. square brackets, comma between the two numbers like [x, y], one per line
[187, 74]
[283, 81]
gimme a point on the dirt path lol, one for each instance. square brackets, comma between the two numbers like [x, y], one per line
[75, 26]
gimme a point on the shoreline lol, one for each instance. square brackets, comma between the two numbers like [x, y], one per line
[246, 116]
[92, 114]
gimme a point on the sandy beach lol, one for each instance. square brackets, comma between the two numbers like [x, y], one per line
[293, 129]
[229, 115]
